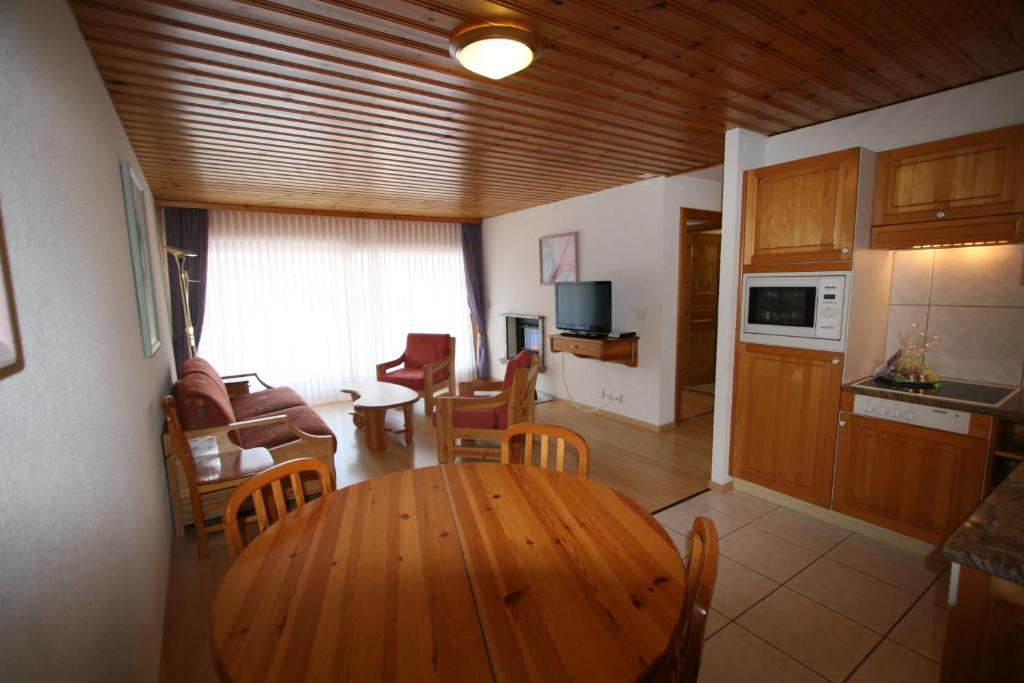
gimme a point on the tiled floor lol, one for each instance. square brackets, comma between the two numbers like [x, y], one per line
[798, 599]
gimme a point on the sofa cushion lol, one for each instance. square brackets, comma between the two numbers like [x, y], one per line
[421, 349]
[271, 401]
[202, 366]
[303, 417]
[201, 402]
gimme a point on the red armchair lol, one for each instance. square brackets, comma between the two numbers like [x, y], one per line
[429, 365]
[463, 422]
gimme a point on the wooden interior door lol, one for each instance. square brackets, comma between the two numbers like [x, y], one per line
[700, 250]
[917, 481]
[784, 419]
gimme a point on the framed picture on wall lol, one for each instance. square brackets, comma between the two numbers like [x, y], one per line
[11, 358]
[559, 261]
[142, 270]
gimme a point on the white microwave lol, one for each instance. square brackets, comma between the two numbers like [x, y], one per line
[802, 310]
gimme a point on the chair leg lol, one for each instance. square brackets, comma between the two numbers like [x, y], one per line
[442, 447]
[428, 402]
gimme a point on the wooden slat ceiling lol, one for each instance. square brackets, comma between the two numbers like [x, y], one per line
[357, 106]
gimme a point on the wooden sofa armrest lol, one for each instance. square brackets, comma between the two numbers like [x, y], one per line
[470, 388]
[224, 430]
[383, 367]
[247, 374]
[430, 368]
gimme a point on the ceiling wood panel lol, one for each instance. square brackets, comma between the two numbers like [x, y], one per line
[356, 106]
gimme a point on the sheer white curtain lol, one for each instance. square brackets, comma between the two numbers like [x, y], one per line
[314, 302]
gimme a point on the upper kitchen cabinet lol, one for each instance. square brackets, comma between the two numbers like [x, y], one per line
[801, 211]
[964, 190]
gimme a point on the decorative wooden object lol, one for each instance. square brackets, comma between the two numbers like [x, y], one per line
[963, 190]
[623, 351]
[560, 435]
[472, 572]
[252, 489]
[455, 441]
[372, 404]
[917, 481]
[801, 211]
[985, 632]
[785, 410]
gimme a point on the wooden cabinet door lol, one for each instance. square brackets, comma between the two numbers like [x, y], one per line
[968, 176]
[785, 414]
[917, 481]
[801, 211]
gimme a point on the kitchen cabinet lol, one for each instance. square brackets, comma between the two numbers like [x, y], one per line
[785, 416]
[801, 211]
[968, 189]
[917, 481]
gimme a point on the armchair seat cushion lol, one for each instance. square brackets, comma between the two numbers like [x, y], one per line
[493, 418]
[407, 377]
[303, 417]
[269, 402]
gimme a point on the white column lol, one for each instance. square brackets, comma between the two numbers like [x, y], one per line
[743, 150]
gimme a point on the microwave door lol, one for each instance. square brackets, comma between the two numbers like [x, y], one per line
[781, 308]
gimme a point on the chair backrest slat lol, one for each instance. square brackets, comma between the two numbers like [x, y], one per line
[700, 585]
[253, 488]
[526, 432]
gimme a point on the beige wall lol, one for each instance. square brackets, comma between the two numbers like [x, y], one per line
[84, 530]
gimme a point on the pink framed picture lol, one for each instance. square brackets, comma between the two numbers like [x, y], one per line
[558, 258]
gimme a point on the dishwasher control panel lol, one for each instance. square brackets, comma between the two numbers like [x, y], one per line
[944, 419]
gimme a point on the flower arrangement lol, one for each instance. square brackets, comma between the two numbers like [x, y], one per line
[908, 365]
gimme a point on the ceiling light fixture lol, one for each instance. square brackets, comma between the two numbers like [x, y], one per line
[494, 50]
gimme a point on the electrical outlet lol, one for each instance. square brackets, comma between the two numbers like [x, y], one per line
[617, 397]
[604, 394]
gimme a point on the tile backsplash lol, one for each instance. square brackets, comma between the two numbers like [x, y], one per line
[973, 299]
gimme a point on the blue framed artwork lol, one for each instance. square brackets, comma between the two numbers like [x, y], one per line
[142, 267]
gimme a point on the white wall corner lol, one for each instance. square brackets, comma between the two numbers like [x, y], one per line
[744, 150]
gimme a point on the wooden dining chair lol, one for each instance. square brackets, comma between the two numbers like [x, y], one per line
[701, 571]
[276, 498]
[526, 432]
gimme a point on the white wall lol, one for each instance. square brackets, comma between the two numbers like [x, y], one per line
[628, 235]
[84, 529]
[989, 104]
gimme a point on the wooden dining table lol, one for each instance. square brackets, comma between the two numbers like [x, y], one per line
[464, 572]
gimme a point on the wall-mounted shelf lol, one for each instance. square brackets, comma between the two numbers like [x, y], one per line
[622, 351]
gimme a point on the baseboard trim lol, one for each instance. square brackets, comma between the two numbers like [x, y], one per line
[721, 488]
[853, 524]
[649, 426]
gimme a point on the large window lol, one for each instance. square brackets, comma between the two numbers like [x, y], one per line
[314, 302]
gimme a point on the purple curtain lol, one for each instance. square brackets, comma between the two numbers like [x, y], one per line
[187, 229]
[473, 257]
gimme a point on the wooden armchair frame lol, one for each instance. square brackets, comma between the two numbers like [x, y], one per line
[430, 387]
[520, 405]
[305, 445]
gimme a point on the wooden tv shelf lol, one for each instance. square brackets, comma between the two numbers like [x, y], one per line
[622, 351]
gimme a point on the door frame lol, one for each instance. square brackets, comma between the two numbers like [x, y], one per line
[711, 220]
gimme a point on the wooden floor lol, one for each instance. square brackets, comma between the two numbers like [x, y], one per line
[655, 469]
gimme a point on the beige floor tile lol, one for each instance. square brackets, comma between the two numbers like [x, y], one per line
[939, 592]
[682, 541]
[737, 588]
[892, 663]
[716, 621]
[823, 640]
[680, 517]
[766, 554]
[739, 506]
[801, 530]
[923, 630]
[734, 655]
[901, 568]
[853, 594]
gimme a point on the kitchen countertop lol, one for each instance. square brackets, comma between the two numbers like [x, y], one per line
[992, 538]
[1011, 409]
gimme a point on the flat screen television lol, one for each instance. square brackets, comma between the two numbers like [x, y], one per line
[584, 308]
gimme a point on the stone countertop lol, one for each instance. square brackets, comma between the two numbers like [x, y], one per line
[992, 538]
[1011, 409]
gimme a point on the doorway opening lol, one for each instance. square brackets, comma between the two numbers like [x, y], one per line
[700, 250]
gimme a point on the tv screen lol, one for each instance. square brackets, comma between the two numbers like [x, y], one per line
[584, 307]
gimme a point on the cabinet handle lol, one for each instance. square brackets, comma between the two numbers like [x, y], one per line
[845, 250]
[835, 361]
[842, 423]
[940, 214]
[573, 346]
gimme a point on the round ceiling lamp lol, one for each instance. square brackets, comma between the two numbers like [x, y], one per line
[494, 50]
